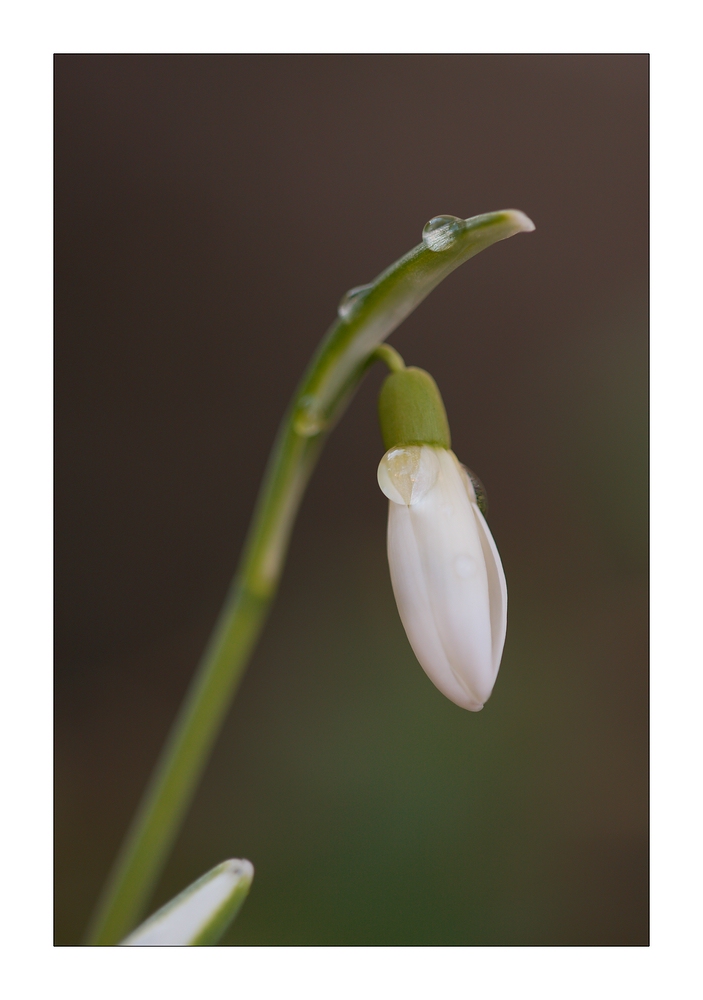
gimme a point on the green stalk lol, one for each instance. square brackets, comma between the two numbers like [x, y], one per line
[367, 316]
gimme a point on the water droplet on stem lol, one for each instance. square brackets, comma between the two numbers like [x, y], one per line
[441, 232]
[350, 299]
[309, 419]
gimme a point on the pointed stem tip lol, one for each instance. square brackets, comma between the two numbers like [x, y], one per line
[523, 224]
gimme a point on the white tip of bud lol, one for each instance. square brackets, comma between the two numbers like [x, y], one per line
[446, 573]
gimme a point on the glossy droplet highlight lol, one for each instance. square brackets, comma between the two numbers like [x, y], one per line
[441, 232]
[406, 475]
[475, 489]
[309, 420]
[465, 567]
[350, 299]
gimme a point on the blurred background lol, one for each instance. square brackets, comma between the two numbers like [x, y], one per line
[210, 213]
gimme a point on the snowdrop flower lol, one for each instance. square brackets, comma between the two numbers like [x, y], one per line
[445, 569]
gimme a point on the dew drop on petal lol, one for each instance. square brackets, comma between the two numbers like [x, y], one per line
[309, 419]
[441, 232]
[465, 567]
[350, 299]
[475, 489]
[407, 474]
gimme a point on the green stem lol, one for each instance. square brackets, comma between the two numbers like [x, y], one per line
[207, 701]
[344, 355]
[390, 357]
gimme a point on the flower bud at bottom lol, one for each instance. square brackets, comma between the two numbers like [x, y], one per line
[446, 572]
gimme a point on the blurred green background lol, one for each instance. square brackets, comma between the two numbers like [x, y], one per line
[210, 212]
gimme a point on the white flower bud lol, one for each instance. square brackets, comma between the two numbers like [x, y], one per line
[446, 573]
[201, 913]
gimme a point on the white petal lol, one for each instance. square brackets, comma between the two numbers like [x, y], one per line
[415, 609]
[497, 587]
[185, 919]
[497, 591]
[448, 583]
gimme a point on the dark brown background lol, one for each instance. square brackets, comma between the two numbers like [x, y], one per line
[210, 212]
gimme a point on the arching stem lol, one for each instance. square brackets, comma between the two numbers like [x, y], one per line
[350, 346]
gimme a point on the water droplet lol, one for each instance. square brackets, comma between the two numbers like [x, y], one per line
[406, 475]
[350, 299]
[465, 567]
[309, 420]
[475, 489]
[441, 232]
